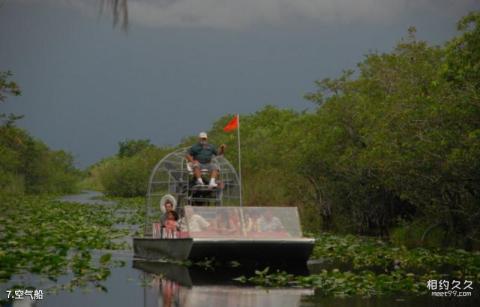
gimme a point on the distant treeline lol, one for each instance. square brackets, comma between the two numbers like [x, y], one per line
[125, 174]
[28, 166]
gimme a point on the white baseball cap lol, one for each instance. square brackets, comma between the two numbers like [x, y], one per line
[203, 135]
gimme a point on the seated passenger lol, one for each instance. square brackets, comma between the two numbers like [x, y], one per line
[268, 222]
[168, 207]
[224, 223]
[250, 221]
[196, 222]
[200, 156]
[171, 224]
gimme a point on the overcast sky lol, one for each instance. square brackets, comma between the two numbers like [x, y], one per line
[183, 63]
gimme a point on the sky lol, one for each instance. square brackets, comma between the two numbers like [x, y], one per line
[181, 64]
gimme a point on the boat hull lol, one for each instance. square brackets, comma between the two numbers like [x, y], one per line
[155, 249]
[271, 250]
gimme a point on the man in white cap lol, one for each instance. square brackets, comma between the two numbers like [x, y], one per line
[200, 156]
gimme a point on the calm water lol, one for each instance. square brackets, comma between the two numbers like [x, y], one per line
[158, 284]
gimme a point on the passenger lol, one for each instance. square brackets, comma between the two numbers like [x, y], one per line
[196, 222]
[268, 222]
[251, 221]
[200, 156]
[168, 207]
[170, 224]
[225, 223]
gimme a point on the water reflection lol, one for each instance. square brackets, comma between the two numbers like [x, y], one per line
[175, 295]
[173, 285]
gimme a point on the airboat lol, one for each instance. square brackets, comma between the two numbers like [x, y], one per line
[212, 223]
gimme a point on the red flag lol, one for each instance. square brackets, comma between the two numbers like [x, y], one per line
[232, 125]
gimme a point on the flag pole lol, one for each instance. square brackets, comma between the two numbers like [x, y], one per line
[239, 161]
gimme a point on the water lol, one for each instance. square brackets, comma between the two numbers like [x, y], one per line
[87, 197]
[141, 283]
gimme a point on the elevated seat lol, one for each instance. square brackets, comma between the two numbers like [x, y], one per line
[202, 187]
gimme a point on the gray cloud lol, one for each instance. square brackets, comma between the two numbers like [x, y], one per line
[238, 14]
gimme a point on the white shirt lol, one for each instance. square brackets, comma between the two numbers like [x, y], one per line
[197, 223]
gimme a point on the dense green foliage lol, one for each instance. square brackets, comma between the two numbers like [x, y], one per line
[26, 164]
[360, 253]
[127, 173]
[130, 148]
[8, 87]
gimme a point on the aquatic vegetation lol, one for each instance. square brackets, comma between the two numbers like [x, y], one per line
[133, 209]
[46, 237]
[372, 267]
[264, 278]
[368, 253]
[337, 283]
